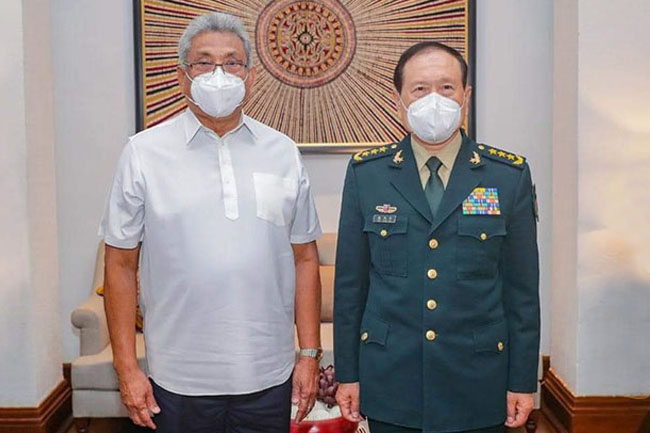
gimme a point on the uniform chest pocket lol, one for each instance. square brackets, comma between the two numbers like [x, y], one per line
[388, 245]
[479, 245]
[274, 197]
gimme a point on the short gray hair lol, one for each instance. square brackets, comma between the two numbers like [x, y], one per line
[213, 22]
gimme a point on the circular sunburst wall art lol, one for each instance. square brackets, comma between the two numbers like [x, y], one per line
[324, 67]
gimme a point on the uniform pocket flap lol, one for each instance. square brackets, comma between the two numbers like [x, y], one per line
[481, 227]
[374, 330]
[491, 338]
[383, 229]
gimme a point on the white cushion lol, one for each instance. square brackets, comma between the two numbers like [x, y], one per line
[97, 372]
[327, 249]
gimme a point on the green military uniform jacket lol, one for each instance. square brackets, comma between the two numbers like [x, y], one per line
[437, 317]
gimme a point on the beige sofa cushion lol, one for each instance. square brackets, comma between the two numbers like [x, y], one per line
[327, 343]
[327, 249]
[95, 403]
[327, 293]
[139, 320]
[96, 371]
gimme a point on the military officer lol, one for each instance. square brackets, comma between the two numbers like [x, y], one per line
[436, 316]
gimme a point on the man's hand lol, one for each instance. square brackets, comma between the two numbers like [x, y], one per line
[137, 395]
[305, 386]
[347, 397]
[519, 407]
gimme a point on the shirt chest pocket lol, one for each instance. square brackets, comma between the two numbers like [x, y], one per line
[479, 246]
[388, 245]
[275, 197]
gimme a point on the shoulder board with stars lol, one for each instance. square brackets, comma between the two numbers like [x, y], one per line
[502, 156]
[374, 153]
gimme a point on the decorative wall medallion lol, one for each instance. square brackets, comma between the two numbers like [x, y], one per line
[305, 43]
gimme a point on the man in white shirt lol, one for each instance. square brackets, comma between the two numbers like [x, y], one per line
[214, 210]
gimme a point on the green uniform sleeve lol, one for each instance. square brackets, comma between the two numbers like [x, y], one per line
[351, 282]
[520, 270]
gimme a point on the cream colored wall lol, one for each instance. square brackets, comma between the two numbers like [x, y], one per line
[15, 325]
[30, 334]
[601, 290]
[613, 266]
[564, 296]
[95, 113]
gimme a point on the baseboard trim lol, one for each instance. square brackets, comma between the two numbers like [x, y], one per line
[67, 371]
[591, 414]
[546, 364]
[51, 416]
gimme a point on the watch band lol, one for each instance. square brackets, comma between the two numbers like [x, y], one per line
[316, 353]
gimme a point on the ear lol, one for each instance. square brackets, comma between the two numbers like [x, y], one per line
[401, 111]
[182, 79]
[467, 104]
[468, 94]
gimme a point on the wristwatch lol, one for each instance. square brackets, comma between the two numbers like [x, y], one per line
[316, 353]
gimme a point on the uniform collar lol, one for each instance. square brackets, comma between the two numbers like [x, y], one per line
[446, 155]
[192, 125]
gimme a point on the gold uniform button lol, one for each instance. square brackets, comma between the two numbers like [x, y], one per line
[483, 236]
[433, 244]
[432, 274]
[500, 346]
[431, 335]
[432, 304]
[383, 233]
[364, 336]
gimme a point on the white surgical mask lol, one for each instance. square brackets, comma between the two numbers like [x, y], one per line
[218, 93]
[434, 118]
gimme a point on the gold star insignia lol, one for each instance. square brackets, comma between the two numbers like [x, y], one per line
[511, 157]
[383, 149]
[492, 151]
[374, 151]
[365, 153]
[502, 154]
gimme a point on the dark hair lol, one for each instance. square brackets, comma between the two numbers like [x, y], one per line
[419, 48]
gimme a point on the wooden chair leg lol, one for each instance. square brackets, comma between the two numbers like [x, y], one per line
[82, 425]
[531, 424]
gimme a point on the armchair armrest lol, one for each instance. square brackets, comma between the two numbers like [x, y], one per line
[90, 319]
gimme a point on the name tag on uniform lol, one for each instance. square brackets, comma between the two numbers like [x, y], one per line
[384, 219]
[482, 201]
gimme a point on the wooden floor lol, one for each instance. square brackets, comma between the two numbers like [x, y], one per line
[112, 425]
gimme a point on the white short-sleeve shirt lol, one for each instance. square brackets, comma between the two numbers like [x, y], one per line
[216, 217]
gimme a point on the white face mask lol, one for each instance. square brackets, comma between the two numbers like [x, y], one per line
[434, 118]
[218, 93]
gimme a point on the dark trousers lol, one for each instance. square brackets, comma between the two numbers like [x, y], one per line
[267, 411]
[382, 427]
